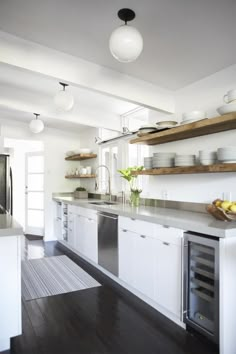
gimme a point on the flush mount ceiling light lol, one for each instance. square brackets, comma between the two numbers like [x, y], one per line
[64, 99]
[126, 42]
[36, 125]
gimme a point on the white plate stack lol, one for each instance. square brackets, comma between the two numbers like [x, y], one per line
[163, 159]
[227, 154]
[185, 160]
[147, 163]
[207, 157]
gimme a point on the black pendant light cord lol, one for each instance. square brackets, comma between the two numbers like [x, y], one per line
[63, 85]
[36, 115]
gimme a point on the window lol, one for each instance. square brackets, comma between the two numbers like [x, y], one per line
[119, 155]
[109, 156]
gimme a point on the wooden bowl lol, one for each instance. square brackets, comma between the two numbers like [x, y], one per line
[221, 214]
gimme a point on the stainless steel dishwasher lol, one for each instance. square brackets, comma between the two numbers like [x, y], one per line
[108, 241]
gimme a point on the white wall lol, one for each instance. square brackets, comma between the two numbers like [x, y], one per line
[56, 143]
[205, 94]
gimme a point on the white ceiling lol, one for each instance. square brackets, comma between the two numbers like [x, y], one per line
[14, 116]
[42, 85]
[24, 92]
[184, 41]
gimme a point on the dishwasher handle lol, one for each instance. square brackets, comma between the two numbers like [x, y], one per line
[108, 216]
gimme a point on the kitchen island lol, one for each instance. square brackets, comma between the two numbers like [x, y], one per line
[10, 280]
[150, 254]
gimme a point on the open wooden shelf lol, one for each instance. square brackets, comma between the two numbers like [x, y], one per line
[81, 176]
[216, 168]
[191, 130]
[80, 157]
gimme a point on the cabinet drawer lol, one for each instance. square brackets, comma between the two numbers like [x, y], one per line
[138, 226]
[87, 213]
[169, 235]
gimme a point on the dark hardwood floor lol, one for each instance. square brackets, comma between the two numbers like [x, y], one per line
[102, 320]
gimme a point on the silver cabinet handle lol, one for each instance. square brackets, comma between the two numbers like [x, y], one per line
[123, 230]
[166, 243]
[143, 236]
[70, 230]
[133, 219]
[166, 226]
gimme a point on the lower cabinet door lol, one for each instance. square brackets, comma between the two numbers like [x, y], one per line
[86, 237]
[137, 261]
[126, 255]
[91, 240]
[144, 261]
[168, 278]
[71, 230]
[80, 234]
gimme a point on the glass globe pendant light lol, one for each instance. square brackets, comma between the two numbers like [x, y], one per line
[64, 99]
[126, 42]
[36, 125]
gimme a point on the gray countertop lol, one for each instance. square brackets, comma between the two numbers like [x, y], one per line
[9, 227]
[185, 220]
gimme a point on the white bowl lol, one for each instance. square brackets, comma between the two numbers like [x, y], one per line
[85, 151]
[194, 115]
[227, 108]
[70, 153]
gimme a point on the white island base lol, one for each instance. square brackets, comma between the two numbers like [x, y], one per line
[10, 289]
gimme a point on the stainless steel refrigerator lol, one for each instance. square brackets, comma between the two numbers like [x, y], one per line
[6, 195]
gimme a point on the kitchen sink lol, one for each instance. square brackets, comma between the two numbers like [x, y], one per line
[102, 203]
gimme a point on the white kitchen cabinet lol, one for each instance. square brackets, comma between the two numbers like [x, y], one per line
[145, 264]
[126, 251]
[150, 261]
[71, 229]
[87, 237]
[10, 285]
[137, 259]
[168, 277]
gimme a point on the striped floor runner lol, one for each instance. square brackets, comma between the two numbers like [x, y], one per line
[52, 276]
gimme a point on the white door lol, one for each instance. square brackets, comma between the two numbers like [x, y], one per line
[80, 234]
[34, 193]
[71, 229]
[91, 239]
[145, 264]
[168, 279]
[126, 255]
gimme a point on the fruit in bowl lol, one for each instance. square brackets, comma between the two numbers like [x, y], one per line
[226, 205]
[222, 210]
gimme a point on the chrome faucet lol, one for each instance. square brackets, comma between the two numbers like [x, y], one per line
[109, 180]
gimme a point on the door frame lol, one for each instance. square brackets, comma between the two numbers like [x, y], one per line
[39, 231]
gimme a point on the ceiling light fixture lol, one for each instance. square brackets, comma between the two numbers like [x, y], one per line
[64, 99]
[36, 125]
[126, 42]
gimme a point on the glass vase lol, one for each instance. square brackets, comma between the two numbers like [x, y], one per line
[135, 197]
